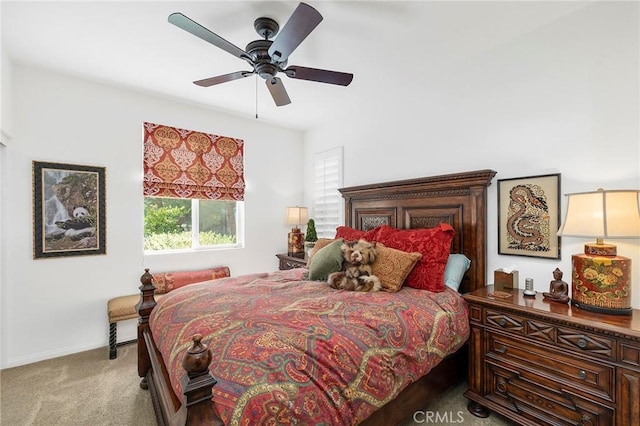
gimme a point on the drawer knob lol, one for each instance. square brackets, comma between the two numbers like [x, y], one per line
[582, 343]
[582, 374]
[502, 349]
[502, 322]
[586, 420]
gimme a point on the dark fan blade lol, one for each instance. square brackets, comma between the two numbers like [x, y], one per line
[278, 92]
[181, 21]
[322, 76]
[212, 81]
[303, 20]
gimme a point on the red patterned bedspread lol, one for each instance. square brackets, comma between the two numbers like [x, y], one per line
[287, 351]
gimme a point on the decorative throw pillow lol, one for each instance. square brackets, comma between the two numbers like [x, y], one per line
[220, 272]
[322, 242]
[433, 243]
[167, 281]
[352, 234]
[393, 266]
[457, 265]
[325, 261]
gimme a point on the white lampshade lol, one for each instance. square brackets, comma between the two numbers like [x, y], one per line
[296, 216]
[602, 214]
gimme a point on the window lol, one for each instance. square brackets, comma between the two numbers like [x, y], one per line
[177, 224]
[194, 189]
[327, 201]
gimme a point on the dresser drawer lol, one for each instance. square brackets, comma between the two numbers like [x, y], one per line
[510, 388]
[503, 321]
[559, 370]
[567, 338]
[586, 343]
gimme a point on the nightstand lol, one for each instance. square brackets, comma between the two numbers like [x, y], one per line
[291, 262]
[543, 363]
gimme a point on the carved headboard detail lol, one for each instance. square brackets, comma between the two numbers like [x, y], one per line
[459, 199]
[373, 221]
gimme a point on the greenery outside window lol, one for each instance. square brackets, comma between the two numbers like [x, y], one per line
[187, 224]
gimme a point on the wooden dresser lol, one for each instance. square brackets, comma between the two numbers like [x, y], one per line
[290, 262]
[538, 362]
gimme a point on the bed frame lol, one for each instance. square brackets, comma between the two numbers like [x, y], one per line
[459, 199]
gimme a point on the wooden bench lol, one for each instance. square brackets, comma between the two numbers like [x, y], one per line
[126, 307]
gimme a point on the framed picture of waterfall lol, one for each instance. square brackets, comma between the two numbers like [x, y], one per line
[529, 216]
[68, 210]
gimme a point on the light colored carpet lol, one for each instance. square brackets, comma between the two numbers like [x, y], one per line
[80, 389]
[450, 408]
[89, 389]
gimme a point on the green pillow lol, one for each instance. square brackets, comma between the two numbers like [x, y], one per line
[326, 260]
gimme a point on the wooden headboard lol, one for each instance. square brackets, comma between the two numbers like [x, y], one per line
[459, 199]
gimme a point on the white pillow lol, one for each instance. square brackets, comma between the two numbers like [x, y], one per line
[457, 265]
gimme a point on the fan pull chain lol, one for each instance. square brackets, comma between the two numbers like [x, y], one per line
[256, 96]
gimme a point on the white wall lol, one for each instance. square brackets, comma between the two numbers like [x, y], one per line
[56, 306]
[5, 137]
[560, 99]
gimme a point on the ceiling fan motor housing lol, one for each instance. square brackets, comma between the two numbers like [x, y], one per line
[265, 67]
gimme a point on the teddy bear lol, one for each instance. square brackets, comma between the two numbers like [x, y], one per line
[355, 274]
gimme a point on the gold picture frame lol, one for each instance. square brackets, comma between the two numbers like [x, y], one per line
[68, 210]
[529, 216]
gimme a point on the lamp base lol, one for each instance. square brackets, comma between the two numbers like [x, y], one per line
[601, 310]
[296, 243]
[601, 284]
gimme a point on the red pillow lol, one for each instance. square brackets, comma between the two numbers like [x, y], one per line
[433, 243]
[352, 234]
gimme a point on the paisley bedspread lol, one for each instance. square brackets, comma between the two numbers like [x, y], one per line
[288, 351]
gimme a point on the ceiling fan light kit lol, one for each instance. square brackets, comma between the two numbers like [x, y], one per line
[268, 57]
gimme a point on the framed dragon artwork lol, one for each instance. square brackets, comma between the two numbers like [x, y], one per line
[529, 216]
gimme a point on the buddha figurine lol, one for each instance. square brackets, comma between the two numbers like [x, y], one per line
[558, 289]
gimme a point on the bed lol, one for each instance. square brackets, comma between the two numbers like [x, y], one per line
[364, 382]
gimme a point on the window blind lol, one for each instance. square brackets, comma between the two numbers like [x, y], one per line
[327, 203]
[181, 163]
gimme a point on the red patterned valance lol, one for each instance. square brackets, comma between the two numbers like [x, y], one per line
[182, 163]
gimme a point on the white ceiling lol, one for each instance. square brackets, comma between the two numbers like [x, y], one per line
[383, 43]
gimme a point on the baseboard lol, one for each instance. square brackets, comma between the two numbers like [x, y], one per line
[43, 356]
[127, 332]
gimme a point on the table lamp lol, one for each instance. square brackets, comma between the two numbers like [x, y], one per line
[601, 280]
[296, 216]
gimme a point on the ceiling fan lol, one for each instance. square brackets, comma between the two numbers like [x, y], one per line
[268, 57]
